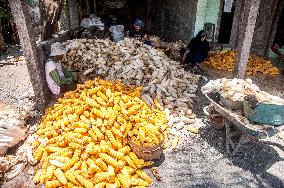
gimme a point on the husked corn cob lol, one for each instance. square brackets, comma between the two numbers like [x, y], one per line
[86, 137]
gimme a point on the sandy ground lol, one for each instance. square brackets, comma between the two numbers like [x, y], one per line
[200, 160]
[15, 85]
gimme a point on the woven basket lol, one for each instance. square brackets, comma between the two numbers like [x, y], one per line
[214, 118]
[115, 3]
[146, 153]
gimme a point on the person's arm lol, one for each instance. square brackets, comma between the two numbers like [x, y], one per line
[70, 74]
[58, 80]
[275, 48]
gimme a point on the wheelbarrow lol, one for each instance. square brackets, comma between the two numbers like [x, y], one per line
[236, 125]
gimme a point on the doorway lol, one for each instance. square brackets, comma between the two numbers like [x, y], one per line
[227, 17]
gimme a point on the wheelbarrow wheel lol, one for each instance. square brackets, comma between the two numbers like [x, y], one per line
[214, 118]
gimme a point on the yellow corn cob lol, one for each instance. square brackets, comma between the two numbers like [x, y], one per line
[98, 133]
[87, 183]
[116, 132]
[108, 159]
[138, 162]
[128, 160]
[49, 172]
[42, 176]
[139, 182]
[124, 180]
[144, 176]
[92, 166]
[38, 153]
[80, 130]
[77, 165]
[125, 150]
[60, 176]
[37, 176]
[101, 164]
[93, 149]
[70, 163]
[70, 176]
[102, 176]
[116, 154]
[53, 184]
[100, 185]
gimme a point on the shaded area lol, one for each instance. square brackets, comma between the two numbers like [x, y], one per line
[255, 158]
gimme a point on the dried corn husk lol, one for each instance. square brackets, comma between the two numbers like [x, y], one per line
[237, 89]
[135, 64]
[172, 49]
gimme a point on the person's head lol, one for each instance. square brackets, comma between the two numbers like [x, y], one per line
[138, 24]
[201, 35]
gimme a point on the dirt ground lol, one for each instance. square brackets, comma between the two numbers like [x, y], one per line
[200, 160]
[15, 85]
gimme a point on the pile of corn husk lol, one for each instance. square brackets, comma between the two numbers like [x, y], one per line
[135, 64]
[172, 49]
[13, 131]
[225, 60]
[238, 89]
[12, 165]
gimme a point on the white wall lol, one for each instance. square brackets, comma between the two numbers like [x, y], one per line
[207, 11]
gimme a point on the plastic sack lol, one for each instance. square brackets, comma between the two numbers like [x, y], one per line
[92, 21]
[265, 114]
[117, 32]
[12, 129]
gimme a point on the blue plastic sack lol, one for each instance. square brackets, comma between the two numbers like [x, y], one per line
[265, 114]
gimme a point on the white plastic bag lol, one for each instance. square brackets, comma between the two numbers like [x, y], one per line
[12, 129]
[117, 32]
[92, 21]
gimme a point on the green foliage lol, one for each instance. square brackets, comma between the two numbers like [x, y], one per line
[5, 12]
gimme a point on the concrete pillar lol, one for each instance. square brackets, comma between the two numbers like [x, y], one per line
[74, 14]
[216, 37]
[32, 54]
[248, 20]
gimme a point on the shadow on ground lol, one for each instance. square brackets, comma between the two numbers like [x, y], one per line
[14, 51]
[254, 157]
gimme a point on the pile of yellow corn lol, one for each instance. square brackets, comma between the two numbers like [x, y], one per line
[83, 139]
[225, 60]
